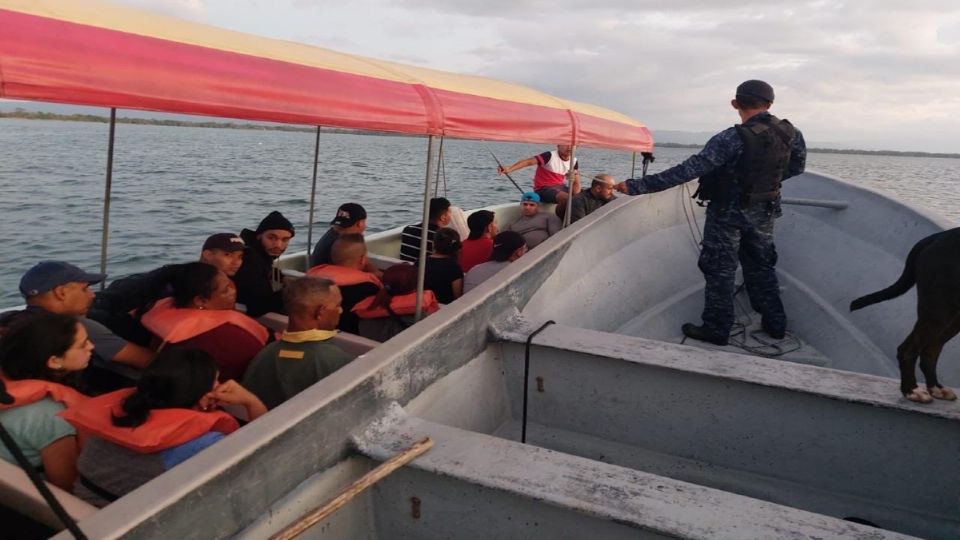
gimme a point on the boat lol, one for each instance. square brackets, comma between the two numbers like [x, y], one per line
[558, 394]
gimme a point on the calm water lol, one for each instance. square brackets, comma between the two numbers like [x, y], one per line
[172, 187]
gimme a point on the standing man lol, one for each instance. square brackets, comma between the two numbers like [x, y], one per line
[740, 171]
[549, 180]
[585, 202]
[259, 282]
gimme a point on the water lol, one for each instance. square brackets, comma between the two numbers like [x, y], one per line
[172, 187]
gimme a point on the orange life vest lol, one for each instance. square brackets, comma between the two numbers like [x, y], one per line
[27, 391]
[173, 324]
[164, 428]
[343, 276]
[404, 304]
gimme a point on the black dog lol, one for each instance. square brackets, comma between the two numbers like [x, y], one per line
[934, 266]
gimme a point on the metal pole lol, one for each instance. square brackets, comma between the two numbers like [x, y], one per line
[436, 184]
[313, 197]
[106, 197]
[425, 228]
[633, 165]
[570, 175]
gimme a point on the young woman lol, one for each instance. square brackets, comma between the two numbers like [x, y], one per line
[391, 310]
[201, 315]
[38, 355]
[136, 434]
[443, 274]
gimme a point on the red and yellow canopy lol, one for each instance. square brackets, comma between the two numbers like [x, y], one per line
[90, 53]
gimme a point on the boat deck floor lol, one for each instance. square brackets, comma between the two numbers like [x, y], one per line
[663, 323]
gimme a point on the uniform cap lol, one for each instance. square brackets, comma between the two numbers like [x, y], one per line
[757, 89]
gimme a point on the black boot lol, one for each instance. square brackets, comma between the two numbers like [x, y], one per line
[699, 333]
[773, 332]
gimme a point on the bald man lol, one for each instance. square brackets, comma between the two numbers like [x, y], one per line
[599, 194]
[305, 354]
[349, 273]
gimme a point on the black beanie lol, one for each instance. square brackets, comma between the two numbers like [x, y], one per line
[275, 220]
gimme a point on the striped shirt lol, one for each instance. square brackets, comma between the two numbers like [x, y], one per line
[410, 241]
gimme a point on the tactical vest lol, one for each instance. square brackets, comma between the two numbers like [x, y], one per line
[767, 143]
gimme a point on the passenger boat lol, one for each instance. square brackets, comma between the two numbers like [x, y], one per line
[599, 424]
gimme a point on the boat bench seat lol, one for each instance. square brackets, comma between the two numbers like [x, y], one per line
[522, 486]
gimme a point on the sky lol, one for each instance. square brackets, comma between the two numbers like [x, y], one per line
[869, 74]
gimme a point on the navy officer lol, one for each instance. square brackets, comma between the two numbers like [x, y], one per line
[740, 170]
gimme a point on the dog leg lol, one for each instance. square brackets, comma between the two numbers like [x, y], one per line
[944, 393]
[907, 358]
[918, 395]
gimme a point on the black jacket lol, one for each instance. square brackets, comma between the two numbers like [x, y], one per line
[253, 279]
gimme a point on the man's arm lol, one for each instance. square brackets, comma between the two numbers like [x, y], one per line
[721, 149]
[798, 156]
[518, 165]
[578, 209]
[553, 224]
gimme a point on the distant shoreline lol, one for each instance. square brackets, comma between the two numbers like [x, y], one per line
[26, 115]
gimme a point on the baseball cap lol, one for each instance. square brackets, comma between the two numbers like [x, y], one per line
[505, 243]
[348, 215]
[530, 196]
[228, 242]
[49, 274]
[757, 89]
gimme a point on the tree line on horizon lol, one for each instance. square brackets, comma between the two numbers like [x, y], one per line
[28, 115]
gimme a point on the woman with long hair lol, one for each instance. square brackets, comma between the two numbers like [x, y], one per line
[201, 315]
[443, 274]
[137, 434]
[40, 355]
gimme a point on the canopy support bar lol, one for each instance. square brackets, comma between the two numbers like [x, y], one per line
[425, 229]
[571, 174]
[633, 165]
[106, 197]
[436, 184]
[313, 197]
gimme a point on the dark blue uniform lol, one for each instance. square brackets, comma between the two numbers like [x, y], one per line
[733, 232]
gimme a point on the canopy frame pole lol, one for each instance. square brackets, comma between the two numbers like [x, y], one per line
[633, 165]
[313, 197]
[108, 187]
[436, 184]
[424, 231]
[571, 174]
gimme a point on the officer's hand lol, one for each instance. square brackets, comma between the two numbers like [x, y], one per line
[622, 187]
[501, 170]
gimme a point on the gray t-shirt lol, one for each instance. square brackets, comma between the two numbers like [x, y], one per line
[479, 273]
[536, 229]
[105, 343]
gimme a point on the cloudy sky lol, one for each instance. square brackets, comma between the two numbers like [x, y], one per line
[865, 74]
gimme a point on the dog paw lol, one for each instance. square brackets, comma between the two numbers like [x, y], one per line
[942, 392]
[919, 395]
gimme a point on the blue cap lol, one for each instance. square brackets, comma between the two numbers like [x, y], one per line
[530, 196]
[49, 274]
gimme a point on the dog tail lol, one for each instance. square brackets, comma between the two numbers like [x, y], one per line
[907, 279]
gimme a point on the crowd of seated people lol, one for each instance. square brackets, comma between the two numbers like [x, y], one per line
[141, 369]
